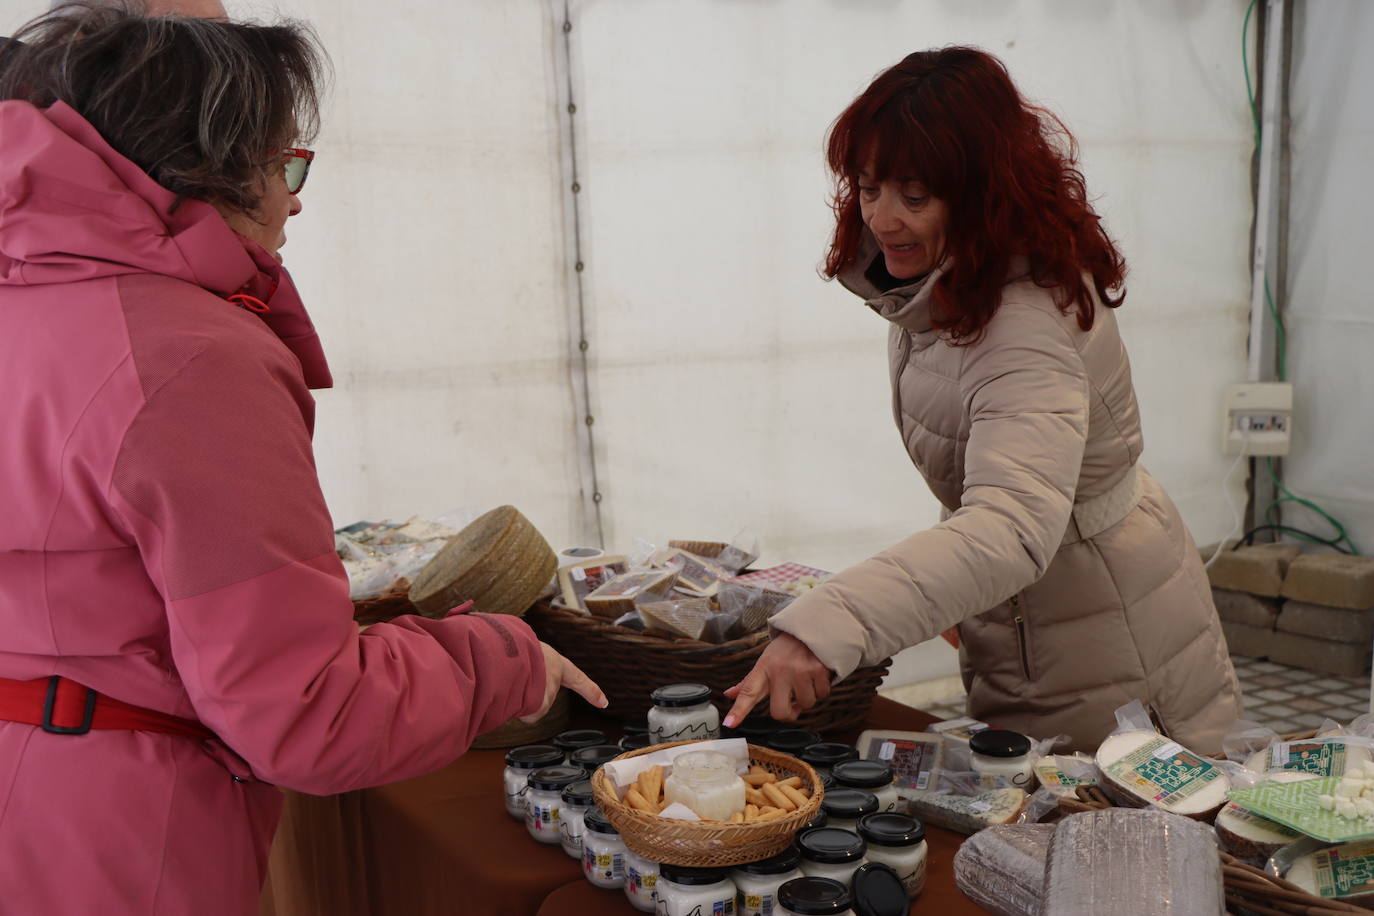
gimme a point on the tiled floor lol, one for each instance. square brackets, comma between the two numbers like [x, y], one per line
[1285, 699]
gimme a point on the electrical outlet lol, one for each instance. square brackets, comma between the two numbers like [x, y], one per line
[1258, 419]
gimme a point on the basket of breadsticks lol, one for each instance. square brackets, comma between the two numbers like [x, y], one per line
[649, 796]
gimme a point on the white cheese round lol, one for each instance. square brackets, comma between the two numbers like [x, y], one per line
[1312, 756]
[1252, 838]
[1336, 872]
[1157, 771]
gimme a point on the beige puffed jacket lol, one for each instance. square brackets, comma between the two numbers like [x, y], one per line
[1071, 576]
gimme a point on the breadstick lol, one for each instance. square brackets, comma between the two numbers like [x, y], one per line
[793, 795]
[635, 800]
[751, 812]
[754, 796]
[737, 818]
[793, 781]
[650, 783]
[769, 809]
[757, 780]
[775, 796]
[771, 814]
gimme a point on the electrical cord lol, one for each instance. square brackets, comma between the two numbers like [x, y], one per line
[1239, 522]
[1248, 537]
[1281, 352]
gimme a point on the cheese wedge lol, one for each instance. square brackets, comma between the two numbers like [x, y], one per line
[1316, 758]
[1252, 838]
[1144, 768]
[968, 814]
[1345, 871]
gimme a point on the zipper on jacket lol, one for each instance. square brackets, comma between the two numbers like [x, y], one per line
[1021, 643]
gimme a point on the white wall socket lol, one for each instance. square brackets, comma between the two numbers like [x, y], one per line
[1259, 419]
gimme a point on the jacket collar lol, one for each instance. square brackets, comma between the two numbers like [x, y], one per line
[72, 208]
[907, 306]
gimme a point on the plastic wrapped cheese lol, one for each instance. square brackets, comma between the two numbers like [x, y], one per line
[1315, 757]
[1345, 872]
[1002, 868]
[1138, 861]
[1146, 768]
[967, 814]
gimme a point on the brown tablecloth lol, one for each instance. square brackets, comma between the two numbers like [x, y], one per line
[444, 844]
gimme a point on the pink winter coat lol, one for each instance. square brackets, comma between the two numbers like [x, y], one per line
[164, 541]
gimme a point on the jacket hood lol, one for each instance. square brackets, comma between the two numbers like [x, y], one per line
[71, 208]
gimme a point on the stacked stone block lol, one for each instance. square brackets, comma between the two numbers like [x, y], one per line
[1311, 611]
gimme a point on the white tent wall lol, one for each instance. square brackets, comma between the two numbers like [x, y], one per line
[732, 388]
[1329, 319]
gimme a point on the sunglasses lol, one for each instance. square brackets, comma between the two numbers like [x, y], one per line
[297, 166]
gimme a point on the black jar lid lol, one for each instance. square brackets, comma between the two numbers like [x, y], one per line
[754, 729]
[681, 695]
[784, 861]
[635, 742]
[820, 819]
[831, 845]
[691, 877]
[891, 829]
[849, 804]
[862, 774]
[827, 779]
[596, 822]
[878, 891]
[828, 753]
[999, 742]
[533, 756]
[791, 740]
[578, 793]
[589, 758]
[556, 779]
[569, 741]
[813, 896]
[635, 727]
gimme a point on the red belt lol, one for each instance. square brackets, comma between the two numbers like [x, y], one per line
[64, 707]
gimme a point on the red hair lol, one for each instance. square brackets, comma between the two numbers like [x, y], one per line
[952, 120]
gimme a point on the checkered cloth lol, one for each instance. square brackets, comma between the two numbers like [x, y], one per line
[777, 576]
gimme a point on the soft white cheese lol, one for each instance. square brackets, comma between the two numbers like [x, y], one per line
[1154, 770]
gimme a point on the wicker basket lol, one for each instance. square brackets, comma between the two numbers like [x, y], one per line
[712, 844]
[629, 666]
[1248, 889]
[391, 603]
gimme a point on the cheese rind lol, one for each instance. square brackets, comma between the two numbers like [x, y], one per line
[1002, 868]
[1146, 768]
[968, 814]
[624, 593]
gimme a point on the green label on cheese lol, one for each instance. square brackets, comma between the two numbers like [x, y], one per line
[1346, 871]
[1320, 758]
[1164, 772]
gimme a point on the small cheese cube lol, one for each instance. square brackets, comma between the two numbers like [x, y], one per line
[1327, 802]
[1345, 808]
[1368, 768]
[1364, 807]
[1347, 789]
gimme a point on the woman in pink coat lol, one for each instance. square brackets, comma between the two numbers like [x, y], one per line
[176, 638]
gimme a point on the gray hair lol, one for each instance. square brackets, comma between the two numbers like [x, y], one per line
[201, 105]
[209, 9]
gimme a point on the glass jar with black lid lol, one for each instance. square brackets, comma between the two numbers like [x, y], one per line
[812, 896]
[577, 801]
[898, 841]
[603, 851]
[758, 882]
[831, 852]
[544, 801]
[685, 891]
[845, 806]
[520, 762]
[825, 754]
[591, 757]
[1002, 758]
[870, 775]
[683, 712]
[576, 739]
[791, 740]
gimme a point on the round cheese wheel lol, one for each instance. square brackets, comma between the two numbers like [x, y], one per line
[1252, 838]
[1336, 872]
[1150, 769]
[1317, 758]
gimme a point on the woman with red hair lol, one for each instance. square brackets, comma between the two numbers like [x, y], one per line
[1064, 570]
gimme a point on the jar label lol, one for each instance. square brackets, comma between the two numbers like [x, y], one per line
[542, 818]
[636, 880]
[603, 865]
[697, 731]
[756, 905]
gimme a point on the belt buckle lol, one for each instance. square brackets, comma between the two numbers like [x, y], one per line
[51, 701]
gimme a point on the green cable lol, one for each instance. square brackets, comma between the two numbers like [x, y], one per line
[1280, 333]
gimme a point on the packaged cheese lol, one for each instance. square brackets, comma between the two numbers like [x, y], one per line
[624, 593]
[1343, 872]
[1145, 768]
[579, 578]
[914, 757]
[1066, 771]
[1313, 756]
[1141, 862]
[1002, 868]
[967, 814]
[958, 731]
[695, 575]
[678, 617]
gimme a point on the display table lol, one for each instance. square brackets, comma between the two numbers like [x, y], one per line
[444, 844]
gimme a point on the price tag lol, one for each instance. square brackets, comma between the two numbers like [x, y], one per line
[887, 751]
[980, 806]
[1168, 750]
[1279, 758]
[579, 574]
